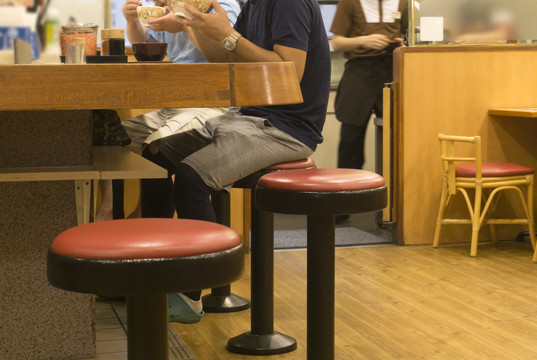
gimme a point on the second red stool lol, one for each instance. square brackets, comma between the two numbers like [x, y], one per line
[321, 194]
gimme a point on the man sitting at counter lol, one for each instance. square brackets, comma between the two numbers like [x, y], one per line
[243, 141]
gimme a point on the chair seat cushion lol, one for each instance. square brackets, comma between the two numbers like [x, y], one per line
[134, 256]
[321, 191]
[492, 169]
[144, 238]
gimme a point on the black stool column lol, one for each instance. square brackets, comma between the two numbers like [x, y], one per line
[147, 327]
[118, 196]
[321, 275]
[262, 339]
[221, 300]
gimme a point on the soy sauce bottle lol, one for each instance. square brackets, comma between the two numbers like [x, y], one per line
[113, 42]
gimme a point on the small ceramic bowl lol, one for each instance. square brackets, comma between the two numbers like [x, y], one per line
[178, 7]
[149, 51]
[146, 13]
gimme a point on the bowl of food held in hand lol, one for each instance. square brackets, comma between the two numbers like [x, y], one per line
[146, 13]
[178, 7]
[149, 51]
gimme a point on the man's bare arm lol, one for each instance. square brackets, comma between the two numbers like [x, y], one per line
[210, 30]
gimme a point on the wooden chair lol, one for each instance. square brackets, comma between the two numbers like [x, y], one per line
[488, 179]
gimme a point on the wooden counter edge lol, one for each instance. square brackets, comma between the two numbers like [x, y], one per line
[109, 162]
[116, 162]
[141, 86]
[515, 112]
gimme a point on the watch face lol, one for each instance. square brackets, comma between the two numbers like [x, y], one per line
[228, 45]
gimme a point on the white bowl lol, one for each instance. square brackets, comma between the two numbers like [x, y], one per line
[146, 13]
[178, 7]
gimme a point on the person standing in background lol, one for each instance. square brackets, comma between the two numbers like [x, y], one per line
[366, 31]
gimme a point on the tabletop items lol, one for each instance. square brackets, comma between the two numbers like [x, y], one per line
[78, 44]
[149, 51]
[79, 31]
[178, 6]
[113, 42]
[148, 12]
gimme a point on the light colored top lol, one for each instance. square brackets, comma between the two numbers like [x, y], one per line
[180, 48]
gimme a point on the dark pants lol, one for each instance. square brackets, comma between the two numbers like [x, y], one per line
[351, 146]
[359, 96]
[188, 195]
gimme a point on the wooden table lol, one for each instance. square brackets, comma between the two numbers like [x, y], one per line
[46, 143]
[515, 112]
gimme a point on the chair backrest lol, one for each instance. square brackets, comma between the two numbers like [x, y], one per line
[450, 159]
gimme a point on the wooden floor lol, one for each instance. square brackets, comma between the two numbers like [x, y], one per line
[401, 302]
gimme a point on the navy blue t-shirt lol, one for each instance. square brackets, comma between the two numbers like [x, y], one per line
[297, 24]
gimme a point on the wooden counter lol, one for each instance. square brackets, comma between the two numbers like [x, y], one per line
[146, 85]
[47, 161]
[458, 90]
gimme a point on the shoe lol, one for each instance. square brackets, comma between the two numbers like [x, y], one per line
[342, 218]
[180, 311]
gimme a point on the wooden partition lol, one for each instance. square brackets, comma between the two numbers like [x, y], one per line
[451, 90]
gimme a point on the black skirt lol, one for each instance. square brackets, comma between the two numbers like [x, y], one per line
[359, 91]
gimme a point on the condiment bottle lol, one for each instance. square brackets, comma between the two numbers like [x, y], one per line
[113, 42]
[88, 31]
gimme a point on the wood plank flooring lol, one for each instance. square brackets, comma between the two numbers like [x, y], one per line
[400, 302]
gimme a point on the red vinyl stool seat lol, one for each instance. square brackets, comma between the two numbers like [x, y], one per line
[145, 259]
[321, 194]
[221, 299]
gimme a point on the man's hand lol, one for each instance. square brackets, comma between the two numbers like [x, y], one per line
[214, 26]
[167, 23]
[374, 41]
[129, 10]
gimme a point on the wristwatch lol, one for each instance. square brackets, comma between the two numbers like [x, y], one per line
[230, 42]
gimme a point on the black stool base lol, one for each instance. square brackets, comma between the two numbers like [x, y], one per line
[251, 344]
[147, 327]
[224, 303]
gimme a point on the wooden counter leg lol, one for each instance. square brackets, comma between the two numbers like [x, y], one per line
[83, 201]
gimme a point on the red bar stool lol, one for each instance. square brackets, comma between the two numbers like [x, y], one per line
[145, 259]
[321, 194]
[221, 300]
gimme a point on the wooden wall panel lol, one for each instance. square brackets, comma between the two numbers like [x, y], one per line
[451, 90]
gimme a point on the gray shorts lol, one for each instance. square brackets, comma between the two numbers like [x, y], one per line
[232, 146]
[154, 125]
